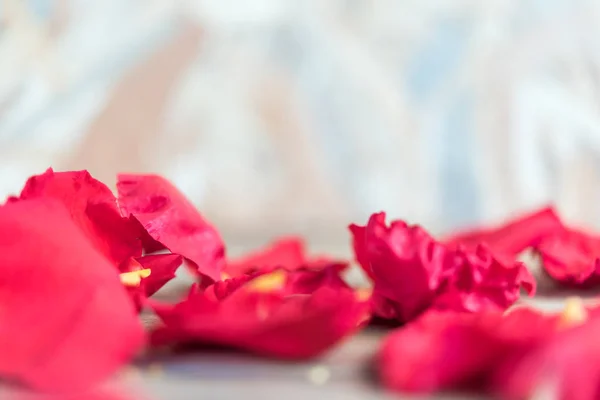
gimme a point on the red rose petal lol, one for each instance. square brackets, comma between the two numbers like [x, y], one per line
[299, 281]
[93, 208]
[514, 354]
[287, 252]
[482, 282]
[222, 289]
[297, 327]
[406, 264]
[571, 257]
[308, 280]
[67, 321]
[437, 352]
[442, 351]
[361, 245]
[513, 237]
[263, 321]
[163, 268]
[567, 365]
[412, 272]
[170, 219]
[148, 243]
[153, 272]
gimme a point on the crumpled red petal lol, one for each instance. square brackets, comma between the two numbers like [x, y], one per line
[571, 257]
[308, 280]
[413, 272]
[438, 351]
[287, 252]
[163, 268]
[92, 207]
[406, 264]
[481, 282]
[441, 351]
[67, 321]
[170, 219]
[222, 289]
[513, 237]
[515, 355]
[267, 322]
[565, 366]
[284, 281]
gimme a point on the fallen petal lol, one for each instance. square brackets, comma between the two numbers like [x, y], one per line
[269, 323]
[571, 257]
[412, 272]
[170, 219]
[92, 207]
[287, 252]
[513, 237]
[67, 322]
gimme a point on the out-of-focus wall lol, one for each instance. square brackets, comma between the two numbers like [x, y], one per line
[300, 116]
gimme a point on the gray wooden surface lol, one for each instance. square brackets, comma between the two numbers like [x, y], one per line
[344, 373]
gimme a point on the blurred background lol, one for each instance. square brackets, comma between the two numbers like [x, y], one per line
[287, 116]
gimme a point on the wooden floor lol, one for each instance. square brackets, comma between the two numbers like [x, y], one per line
[345, 373]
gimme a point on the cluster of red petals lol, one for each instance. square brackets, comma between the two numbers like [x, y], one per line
[300, 315]
[448, 350]
[568, 255]
[514, 355]
[276, 302]
[68, 244]
[108, 225]
[412, 272]
[80, 263]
